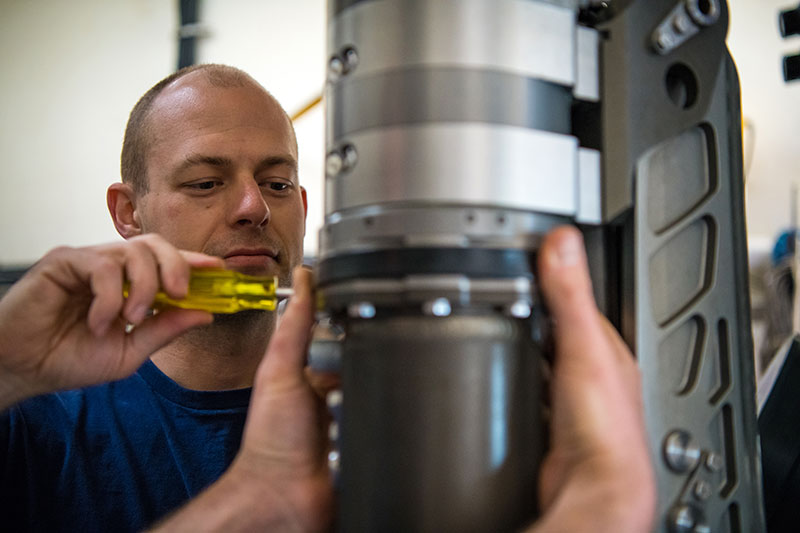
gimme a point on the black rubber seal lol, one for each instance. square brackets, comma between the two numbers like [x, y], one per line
[396, 263]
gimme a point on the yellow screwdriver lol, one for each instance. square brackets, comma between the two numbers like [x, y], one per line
[218, 290]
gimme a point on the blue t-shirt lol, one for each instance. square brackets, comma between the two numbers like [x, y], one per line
[115, 457]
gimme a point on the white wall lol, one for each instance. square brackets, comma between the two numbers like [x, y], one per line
[71, 71]
[771, 109]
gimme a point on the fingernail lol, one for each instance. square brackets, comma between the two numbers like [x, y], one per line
[569, 250]
[138, 314]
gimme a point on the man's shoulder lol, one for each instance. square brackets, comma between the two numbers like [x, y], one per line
[62, 411]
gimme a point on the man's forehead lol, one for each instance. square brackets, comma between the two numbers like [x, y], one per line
[193, 100]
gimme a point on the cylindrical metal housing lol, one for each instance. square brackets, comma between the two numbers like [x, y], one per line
[449, 155]
[439, 428]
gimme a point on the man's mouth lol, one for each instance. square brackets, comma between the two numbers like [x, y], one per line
[250, 259]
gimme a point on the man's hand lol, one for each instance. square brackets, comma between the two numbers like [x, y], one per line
[279, 481]
[597, 475]
[63, 325]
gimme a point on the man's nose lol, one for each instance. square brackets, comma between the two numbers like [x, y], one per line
[250, 206]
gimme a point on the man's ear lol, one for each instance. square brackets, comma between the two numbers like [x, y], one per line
[305, 207]
[122, 205]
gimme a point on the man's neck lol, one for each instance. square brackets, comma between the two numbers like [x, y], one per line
[221, 356]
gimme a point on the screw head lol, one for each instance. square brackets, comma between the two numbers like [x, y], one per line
[682, 23]
[702, 490]
[520, 309]
[437, 307]
[681, 519]
[336, 68]
[334, 460]
[350, 56]
[361, 310]
[334, 399]
[349, 156]
[334, 164]
[714, 462]
[664, 41]
[680, 453]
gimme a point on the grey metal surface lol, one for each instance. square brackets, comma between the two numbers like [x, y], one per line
[449, 409]
[692, 332]
[635, 114]
[379, 227]
[444, 94]
[658, 190]
[587, 85]
[499, 35]
[470, 163]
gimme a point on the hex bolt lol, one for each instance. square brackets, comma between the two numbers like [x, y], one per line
[702, 490]
[682, 23]
[664, 41]
[350, 56]
[334, 399]
[334, 460]
[681, 519]
[350, 156]
[336, 68]
[680, 453]
[520, 309]
[437, 307]
[714, 462]
[334, 164]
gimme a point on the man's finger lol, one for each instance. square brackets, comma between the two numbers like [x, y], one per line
[567, 288]
[286, 353]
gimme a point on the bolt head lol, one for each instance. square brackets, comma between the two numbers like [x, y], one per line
[350, 156]
[520, 309]
[334, 460]
[336, 68]
[680, 453]
[334, 399]
[438, 307]
[702, 490]
[714, 462]
[361, 310]
[350, 56]
[334, 164]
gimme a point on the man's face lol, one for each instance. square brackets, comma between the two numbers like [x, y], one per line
[222, 176]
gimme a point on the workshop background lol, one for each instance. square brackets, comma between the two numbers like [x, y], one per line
[71, 71]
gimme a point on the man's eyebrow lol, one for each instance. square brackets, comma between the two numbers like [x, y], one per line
[278, 160]
[216, 161]
[197, 159]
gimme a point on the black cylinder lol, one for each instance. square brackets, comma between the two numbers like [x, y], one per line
[441, 424]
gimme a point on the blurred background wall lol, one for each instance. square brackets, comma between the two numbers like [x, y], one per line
[71, 71]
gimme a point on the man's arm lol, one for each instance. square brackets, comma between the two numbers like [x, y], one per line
[279, 480]
[64, 324]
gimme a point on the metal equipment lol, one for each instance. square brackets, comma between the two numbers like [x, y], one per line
[458, 133]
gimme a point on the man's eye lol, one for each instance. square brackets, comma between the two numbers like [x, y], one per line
[278, 186]
[203, 185]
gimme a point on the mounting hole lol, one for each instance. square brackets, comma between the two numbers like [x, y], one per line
[706, 7]
[681, 86]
